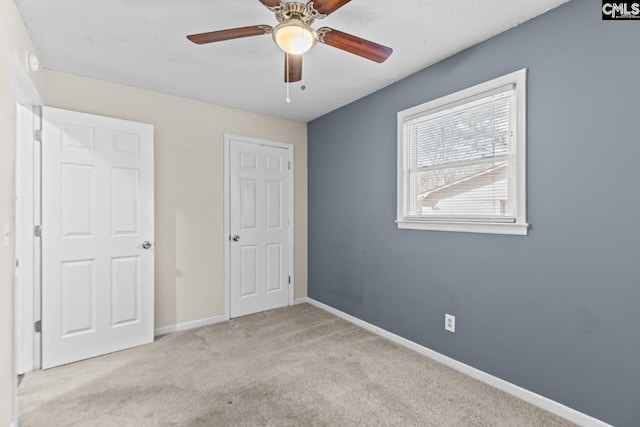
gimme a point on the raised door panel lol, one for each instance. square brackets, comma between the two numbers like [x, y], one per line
[273, 163]
[77, 138]
[78, 297]
[273, 197]
[274, 277]
[78, 197]
[248, 204]
[248, 161]
[249, 271]
[125, 216]
[125, 290]
[126, 144]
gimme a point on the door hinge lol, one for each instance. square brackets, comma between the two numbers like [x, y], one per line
[289, 279]
[17, 263]
[38, 326]
[37, 231]
[37, 135]
[289, 165]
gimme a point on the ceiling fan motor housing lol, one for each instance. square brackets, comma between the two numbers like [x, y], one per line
[295, 10]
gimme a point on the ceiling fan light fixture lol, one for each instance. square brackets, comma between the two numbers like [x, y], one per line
[294, 37]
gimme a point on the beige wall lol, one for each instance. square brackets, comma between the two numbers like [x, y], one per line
[189, 143]
[13, 40]
[189, 191]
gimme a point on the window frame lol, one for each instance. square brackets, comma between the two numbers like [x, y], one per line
[517, 81]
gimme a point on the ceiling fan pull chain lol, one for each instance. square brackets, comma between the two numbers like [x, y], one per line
[286, 66]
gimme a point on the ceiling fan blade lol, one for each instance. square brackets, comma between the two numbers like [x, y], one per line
[270, 3]
[292, 68]
[326, 7]
[361, 47]
[234, 33]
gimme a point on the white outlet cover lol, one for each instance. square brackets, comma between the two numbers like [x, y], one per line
[450, 323]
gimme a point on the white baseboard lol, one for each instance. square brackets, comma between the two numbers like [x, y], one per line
[512, 389]
[188, 325]
[204, 322]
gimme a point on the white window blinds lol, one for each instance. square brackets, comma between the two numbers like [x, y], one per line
[459, 160]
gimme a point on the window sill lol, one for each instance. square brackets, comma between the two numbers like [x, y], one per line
[466, 227]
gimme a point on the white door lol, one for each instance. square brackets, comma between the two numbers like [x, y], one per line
[97, 214]
[259, 227]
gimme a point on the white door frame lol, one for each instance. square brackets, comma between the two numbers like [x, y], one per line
[228, 140]
[25, 94]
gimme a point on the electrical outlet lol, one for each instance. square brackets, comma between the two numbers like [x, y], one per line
[450, 323]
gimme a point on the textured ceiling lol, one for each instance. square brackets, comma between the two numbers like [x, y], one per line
[142, 43]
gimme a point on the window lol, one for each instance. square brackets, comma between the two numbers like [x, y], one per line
[461, 160]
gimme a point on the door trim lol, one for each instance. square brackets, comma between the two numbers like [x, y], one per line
[25, 94]
[228, 140]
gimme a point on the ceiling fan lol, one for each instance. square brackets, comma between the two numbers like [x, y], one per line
[295, 36]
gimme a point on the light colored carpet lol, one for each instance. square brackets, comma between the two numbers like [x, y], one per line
[296, 366]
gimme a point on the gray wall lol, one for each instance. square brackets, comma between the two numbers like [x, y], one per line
[556, 312]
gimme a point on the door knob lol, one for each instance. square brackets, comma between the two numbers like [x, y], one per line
[235, 238]
[146, 245]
